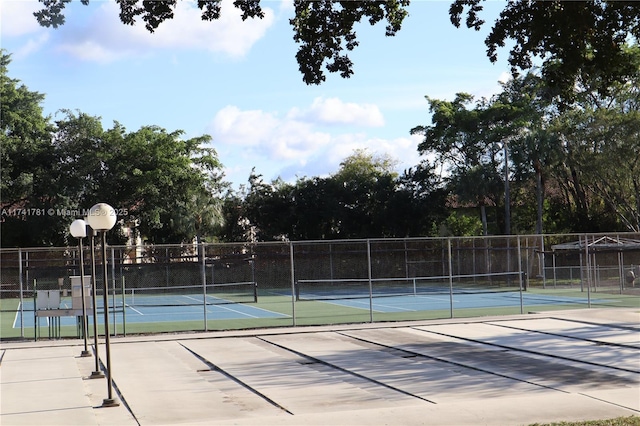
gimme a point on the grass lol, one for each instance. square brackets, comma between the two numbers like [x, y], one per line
[619, 421]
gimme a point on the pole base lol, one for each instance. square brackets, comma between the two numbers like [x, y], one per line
[85, 354]
[96, 375]
[110, 402]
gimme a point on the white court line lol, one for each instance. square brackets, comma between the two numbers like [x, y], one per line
[353, 303]
[15, 320]
[439, 299]
[133, 309]
[238, 312]
[36, 319]
[223, 307]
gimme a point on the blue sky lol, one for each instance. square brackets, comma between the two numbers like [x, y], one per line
[239, 81]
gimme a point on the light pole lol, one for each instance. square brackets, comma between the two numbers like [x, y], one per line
[96, 373]
[102, 217]
[78, 229]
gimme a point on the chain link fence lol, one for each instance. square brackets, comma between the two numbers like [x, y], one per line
[172, 288]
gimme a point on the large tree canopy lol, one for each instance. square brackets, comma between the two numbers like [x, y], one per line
[569, 37]
[165, 184]
[323, 28]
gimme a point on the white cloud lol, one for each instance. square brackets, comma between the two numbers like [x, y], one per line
[265, 134]
[335, 111]
[287, 6]
[16, 18]
[403, 150]
[17, 21]
[243, 128]
[288, 146]
[104, 38]
[32, 45]
[504, 77]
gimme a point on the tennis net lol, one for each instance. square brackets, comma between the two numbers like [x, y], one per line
[333, 289]
[214, 294]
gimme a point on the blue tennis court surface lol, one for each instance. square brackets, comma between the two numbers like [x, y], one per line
[232, 311]
[143, 314]
[426, 302]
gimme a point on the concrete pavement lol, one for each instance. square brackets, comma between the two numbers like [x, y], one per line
[509, 370]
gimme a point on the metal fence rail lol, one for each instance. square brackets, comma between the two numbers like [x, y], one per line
[546, 264]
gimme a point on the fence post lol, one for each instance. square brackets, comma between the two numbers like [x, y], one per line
[113, 289]
[21, 293]
[370, 282]
[124, 305]
[586, 248]
[520, 274]
[203, 276]
[450, 263]
[293, 284]
[542, 270]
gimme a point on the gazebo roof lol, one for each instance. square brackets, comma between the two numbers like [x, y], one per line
[600, 244]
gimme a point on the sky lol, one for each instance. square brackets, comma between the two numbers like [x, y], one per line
[239, 81]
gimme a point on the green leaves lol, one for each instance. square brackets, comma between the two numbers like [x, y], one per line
[157, 179]
[324, 29]
[571, 38]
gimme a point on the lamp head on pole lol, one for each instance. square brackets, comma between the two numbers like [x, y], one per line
[102, 217]
[78, 228]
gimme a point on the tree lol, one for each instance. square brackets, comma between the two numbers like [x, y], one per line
[266, 209]
[366, 184]
[163, 181]
[26, 160]
[419, 204]
[323, 28]
[24, 137]
[467, 142]
[570, 37]
[535, 150]
[315, 209]
[601, 168]
[166, 185]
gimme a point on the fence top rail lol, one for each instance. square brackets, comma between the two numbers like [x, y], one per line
[440, 277]
[186, 246]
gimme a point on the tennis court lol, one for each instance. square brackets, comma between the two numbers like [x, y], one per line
[163, 309]
[182, 308]
[459, 301]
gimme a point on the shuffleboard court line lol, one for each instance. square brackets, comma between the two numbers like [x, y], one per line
[344, 370]
[549, 333]
[447, 361]
[519, 349]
